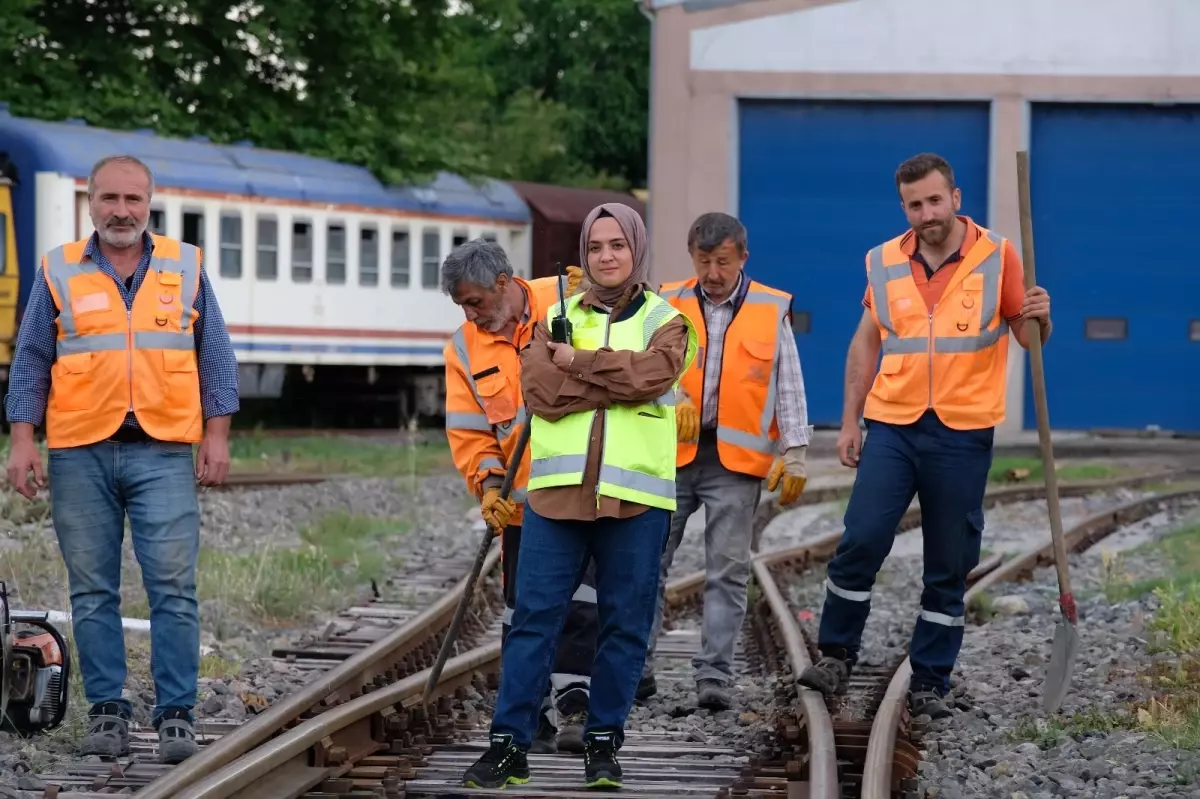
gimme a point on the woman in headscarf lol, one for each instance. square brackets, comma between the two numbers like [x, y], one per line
[602, 486]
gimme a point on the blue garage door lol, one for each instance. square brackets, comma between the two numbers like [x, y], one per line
[1116, 199]
[817, 190]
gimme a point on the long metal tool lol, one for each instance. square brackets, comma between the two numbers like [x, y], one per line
[1066, 637]
[469, 591]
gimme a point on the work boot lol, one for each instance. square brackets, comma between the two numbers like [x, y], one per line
[502, 763]
[600, 766]
[647, 687]
[108, 731]
[572, 707]
[927, 701]
[176, 738]
[543, 739]
[830, 675]
[714, 695]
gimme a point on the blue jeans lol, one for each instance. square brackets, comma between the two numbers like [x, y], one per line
[947, 471]
[626, 554]
[91, 490]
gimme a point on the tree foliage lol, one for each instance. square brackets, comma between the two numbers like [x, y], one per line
[544, 90]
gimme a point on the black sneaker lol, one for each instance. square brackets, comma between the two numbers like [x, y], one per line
[600, 766]
[830, 675]
[646, 688]
[926, 701]
[502, 763]
[544, 739]
[570, 736]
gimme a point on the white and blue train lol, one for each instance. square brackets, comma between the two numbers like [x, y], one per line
[328, 279]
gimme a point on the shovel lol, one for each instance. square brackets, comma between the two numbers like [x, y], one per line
[510, 474]
[1066, 638]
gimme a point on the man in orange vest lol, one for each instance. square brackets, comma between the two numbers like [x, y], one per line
[741, 417]
[940, 301]
[123, 351]
[485, 413]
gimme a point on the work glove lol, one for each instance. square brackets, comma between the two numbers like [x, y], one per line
[789, 475]
[574, 278]
[687, 421]
[495, 510]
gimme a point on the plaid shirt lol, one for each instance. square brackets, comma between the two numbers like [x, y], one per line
[791, 407]
[29, 375]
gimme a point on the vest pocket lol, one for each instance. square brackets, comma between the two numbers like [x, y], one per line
[757, 359]
[72, 378]
[499, 405]
[179, 368]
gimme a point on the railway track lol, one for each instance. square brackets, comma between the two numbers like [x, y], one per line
[358, 728]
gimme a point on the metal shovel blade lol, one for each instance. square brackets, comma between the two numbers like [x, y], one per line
[1062, 666]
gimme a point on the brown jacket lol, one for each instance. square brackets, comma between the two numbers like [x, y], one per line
[596, 380]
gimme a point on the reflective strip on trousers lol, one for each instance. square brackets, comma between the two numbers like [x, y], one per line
[853, 596]
[584, 593]
[879, 276]
[942, 619]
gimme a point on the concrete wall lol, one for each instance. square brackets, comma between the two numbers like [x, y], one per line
[709, 53]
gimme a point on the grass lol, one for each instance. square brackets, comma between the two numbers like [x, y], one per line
[1011, 469]
[337, 454]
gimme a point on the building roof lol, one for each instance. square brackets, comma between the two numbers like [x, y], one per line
[72, 146]
[570, 205]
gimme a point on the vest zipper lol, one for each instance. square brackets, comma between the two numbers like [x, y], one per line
[931, 355]
[129, 353]
[604, 434]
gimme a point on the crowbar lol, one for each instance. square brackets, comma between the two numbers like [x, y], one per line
[1066, 637]
[510, 474]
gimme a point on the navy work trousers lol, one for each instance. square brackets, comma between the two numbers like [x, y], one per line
[947, 470]
[626, 555]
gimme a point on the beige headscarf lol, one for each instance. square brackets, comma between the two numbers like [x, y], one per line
[635, 233]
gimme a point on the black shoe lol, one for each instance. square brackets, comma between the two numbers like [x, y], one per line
[543, 739]
[714, 695]
[501, 764]
[830, 675]
[647, 687]
[926, 701]
[600, 766]
[570, 736]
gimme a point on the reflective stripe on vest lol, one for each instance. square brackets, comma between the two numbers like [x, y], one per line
[478, 421]
[880, 275]
[686, 297]
[637, 460]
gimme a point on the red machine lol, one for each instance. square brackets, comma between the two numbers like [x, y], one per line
[34, 672]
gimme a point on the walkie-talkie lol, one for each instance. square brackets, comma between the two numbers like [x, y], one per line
[560, 326]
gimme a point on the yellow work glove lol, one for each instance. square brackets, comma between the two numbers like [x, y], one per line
[496, 511]
[789, 475]
[574, 278]
[687, 421]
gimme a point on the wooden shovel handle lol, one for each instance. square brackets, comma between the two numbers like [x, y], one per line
[1037, 370]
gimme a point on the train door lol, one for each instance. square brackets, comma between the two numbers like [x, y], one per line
[9, 276]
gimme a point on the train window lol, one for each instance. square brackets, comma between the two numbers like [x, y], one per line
[1112, 329]
[231, 245]
[460, 238]
[335, 255]
[1194, 330]
[368, 257]
[400, 258]
[193, 228]
[158, 221]
[302, 252]
[267, 266]
[489, 236]
[431, 257]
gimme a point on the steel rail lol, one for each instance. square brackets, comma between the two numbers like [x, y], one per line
[877, 781]
[822, 746]
[369, 665]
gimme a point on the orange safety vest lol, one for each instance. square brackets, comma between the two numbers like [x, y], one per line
[485, 408]
[953, 359]
[747, 431]
[111, 361]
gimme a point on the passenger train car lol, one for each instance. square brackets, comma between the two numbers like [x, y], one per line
[328, 280]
